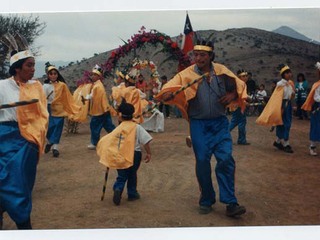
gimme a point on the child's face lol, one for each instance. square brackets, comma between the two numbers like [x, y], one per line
[288, 75]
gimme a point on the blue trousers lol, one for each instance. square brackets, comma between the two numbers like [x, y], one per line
[315, 124]
[129, 175]
[55, 128]
[99, 122]
[209, 137]
[239, 119]
[283, 131]
[18, 166]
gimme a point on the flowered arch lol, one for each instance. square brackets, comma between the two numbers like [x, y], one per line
[138, 40]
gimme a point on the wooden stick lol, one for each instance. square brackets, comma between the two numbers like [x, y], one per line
[105, 184]
[20, 103]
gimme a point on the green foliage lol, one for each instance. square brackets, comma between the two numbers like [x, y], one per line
[29, 27]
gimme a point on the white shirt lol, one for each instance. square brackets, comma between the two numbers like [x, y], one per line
[9, 93]
[49, 90]
[316, 96]
[261, 94]
[142, 138]
[287, 93]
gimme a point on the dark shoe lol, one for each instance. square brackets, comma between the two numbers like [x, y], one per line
[25, 225]
[278, 145]
[55, 153]
[47, 148]
[117, 197]
[133, 198]
[245, 143]
[205, 209]
[288, 149]
[234, 210]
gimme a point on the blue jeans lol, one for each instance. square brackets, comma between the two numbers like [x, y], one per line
[55, 128]
[99, 122]
[239, 119]
[283, 131]
[129, 175]
[209, 137]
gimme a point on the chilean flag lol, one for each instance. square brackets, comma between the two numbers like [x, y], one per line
[187, 40]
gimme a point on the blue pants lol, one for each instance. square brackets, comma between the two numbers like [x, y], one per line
[129, 175]
[239, 119]
[315, 124]
[283, 131]
[18, 166]
[55, 128]
[209, 137]
[99, 122]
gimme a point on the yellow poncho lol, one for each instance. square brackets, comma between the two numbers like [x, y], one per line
[33, 118]
[310, 100]
[99, 102]
[188, 75]
[116, 149]
[82, 91]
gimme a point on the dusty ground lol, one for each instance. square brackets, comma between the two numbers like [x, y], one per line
[277, 188]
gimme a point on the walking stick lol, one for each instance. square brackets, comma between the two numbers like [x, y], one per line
[49, 94]
[20, 103]
[105, 184]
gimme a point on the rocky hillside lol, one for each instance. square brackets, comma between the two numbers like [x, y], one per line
[257, 51]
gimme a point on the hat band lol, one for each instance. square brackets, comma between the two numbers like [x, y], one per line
[202, 48]
[97, 72]
[285, 68]
[242, 74]
[20, 55]
[51, 68]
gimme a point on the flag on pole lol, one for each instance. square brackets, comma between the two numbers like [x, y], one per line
[187, 40]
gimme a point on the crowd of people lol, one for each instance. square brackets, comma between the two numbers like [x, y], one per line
[200, 93]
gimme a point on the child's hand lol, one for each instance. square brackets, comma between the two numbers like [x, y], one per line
[147, 158]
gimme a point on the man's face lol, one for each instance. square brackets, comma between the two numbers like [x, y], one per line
[202, 58]
[27, 71]
[288, 75]
[95, 77]
[244, 78]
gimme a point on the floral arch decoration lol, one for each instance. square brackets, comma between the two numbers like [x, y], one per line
[138, 40]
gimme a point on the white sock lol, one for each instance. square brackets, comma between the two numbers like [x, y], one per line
[278, 140]
[312, 144]
[55, 146]
[286, 143]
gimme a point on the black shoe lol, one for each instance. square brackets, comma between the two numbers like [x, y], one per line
[245, 143]
[47, 148]
[55, 153]
[288, 149]
[234, 210]
[278, 145]
[205, 209]
[117, 197]
[25, 225]
[133, 198]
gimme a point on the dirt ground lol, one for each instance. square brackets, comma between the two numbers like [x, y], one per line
[277, 188]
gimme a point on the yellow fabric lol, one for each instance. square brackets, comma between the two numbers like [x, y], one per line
[116, 149]
[83, 90]
[33, 118]
[188, 75]
[272, 112]
[99, 102]
[310, 100]
[132, 96]
[144, 104]
[63, 102]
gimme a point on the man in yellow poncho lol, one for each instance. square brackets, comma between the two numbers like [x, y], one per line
[121, 150]
[203, 104]
[99, 108]
[278, 111]
[313, 104]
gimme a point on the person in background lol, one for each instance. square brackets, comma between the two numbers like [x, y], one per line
[251, 84]
[22, 138]
[312, 104]
[99, 108]
[278, 111]
[60, 104]
[141, 84]
[301, 95]
[164, 80]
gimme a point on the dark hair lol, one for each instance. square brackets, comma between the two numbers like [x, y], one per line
[18, 64]
[209, 44]
[301, 75]
[59, 79]
[164, 77]
[126, 109]
[240, 71]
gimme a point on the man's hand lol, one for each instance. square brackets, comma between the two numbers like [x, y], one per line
[228, 98]
[147, 158]
[167, 96]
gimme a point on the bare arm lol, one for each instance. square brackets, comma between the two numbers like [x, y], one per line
[148, 152]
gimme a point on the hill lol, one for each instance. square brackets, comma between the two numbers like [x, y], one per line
[255, 50]
[287, 31]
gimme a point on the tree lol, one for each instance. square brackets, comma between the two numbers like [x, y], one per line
[29, 27]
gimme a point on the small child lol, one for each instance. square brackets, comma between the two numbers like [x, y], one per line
[121, 150]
